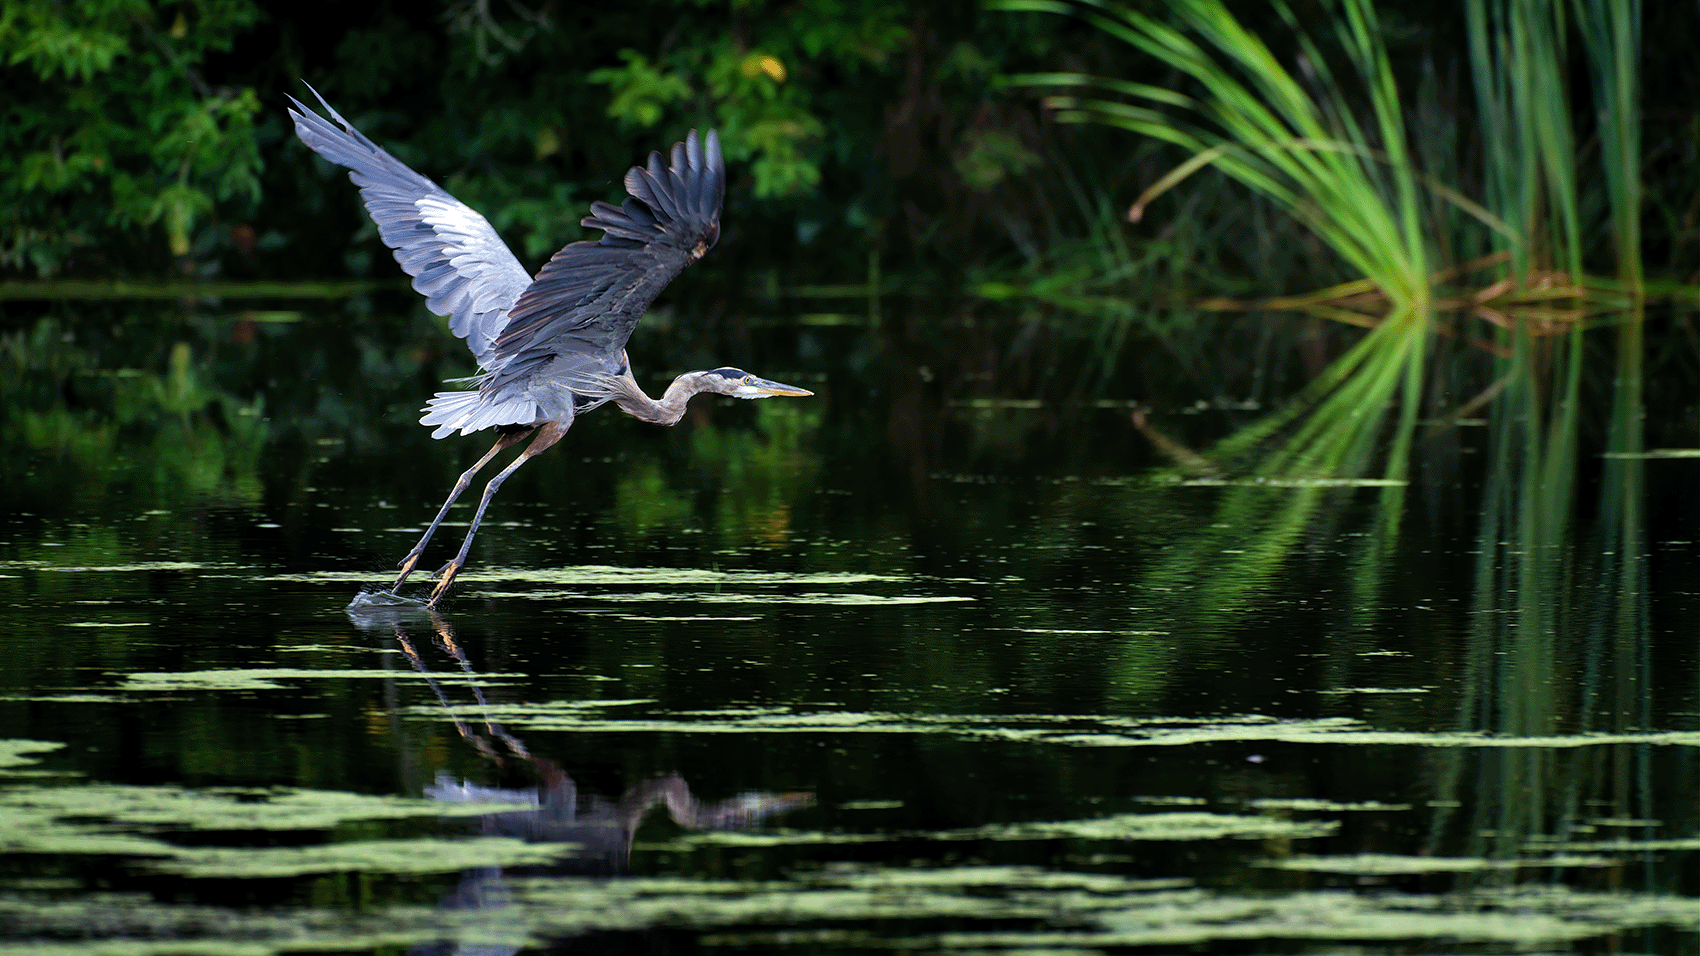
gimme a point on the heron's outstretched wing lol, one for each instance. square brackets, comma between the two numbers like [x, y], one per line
[457, 261]
[590, 295]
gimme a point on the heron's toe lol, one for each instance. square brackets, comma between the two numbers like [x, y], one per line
[445, 578]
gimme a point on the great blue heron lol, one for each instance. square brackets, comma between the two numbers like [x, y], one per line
[552, 347]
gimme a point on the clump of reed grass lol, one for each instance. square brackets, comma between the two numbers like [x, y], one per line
[1351, 183]
[1292, 134]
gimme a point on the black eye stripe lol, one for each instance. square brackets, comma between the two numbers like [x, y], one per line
[729, 372]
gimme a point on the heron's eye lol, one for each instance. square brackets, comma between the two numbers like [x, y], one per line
[749, 380]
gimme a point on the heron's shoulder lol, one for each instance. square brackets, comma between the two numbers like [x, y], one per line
[545, 366]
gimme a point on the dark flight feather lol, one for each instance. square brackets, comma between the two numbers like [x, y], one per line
[575, 316]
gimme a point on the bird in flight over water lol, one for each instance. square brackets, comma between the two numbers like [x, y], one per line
[550, 347]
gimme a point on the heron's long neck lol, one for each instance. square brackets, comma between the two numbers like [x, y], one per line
[669, 409]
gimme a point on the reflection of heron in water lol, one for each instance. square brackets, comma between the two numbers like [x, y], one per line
[601, 827]
[554, 346]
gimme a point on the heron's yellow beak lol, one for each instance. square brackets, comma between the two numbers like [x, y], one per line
[762, 388]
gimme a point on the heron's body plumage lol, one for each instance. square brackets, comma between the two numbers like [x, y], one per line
[533, 337]
[551, 346]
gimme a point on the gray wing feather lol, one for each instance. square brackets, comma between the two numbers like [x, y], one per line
[457, 261]
[590, 295]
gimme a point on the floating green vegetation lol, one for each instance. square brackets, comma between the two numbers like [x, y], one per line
[1622, 845]
[131, 821]
[264, 678]
[114, 568]
[574, 716]
[679, 618]
[28, 813]
[1386, 864]
[715, 597]
[1175, 825]
[1339, 730]
[1186, 919]
[1076, 631]
[775, 838]
[1654, 453]
[1121, 827]
[1374, 690]
[334, 649]
[55, 838]
[362, 856]
[13, 753]
[985, 909]
[1060, 729]
[1322, 806]
[595, 574]
[996, 877]
[1294, 483]
[71, 698]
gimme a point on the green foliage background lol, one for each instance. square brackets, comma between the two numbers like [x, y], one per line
[112, 132]
[866, 137]
[849, 127]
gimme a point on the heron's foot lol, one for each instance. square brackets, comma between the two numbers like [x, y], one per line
[407, 565]
[445, 578]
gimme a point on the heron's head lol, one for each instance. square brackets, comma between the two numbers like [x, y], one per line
[740, 384]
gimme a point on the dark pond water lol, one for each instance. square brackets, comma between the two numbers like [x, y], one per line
[886, 669]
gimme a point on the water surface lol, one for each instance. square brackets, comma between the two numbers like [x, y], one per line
[884, 669]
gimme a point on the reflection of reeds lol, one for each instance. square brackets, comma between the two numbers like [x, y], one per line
[1548, 617]
[1514, 243]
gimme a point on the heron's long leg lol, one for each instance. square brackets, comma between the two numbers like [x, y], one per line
[547, 435]
[407, 564]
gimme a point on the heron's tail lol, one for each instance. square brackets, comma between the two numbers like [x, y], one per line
[468, 412]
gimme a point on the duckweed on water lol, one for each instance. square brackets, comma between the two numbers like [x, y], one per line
[900, 906]
[72, 698]
[13, 752]
[1311, 805]
[1188, 825]
[115, 568]
[733, 838]
[1387, 864]
[715, 597]
[591, 574]
[1066, 730]
[1624, 845]
[563, 716]
[363, 856]
[1009, 878]
[676, 618]
[1174, 825]
[105, 820]
[36, 814]
[266, 678]
[1293, 483]
[1342, 691]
